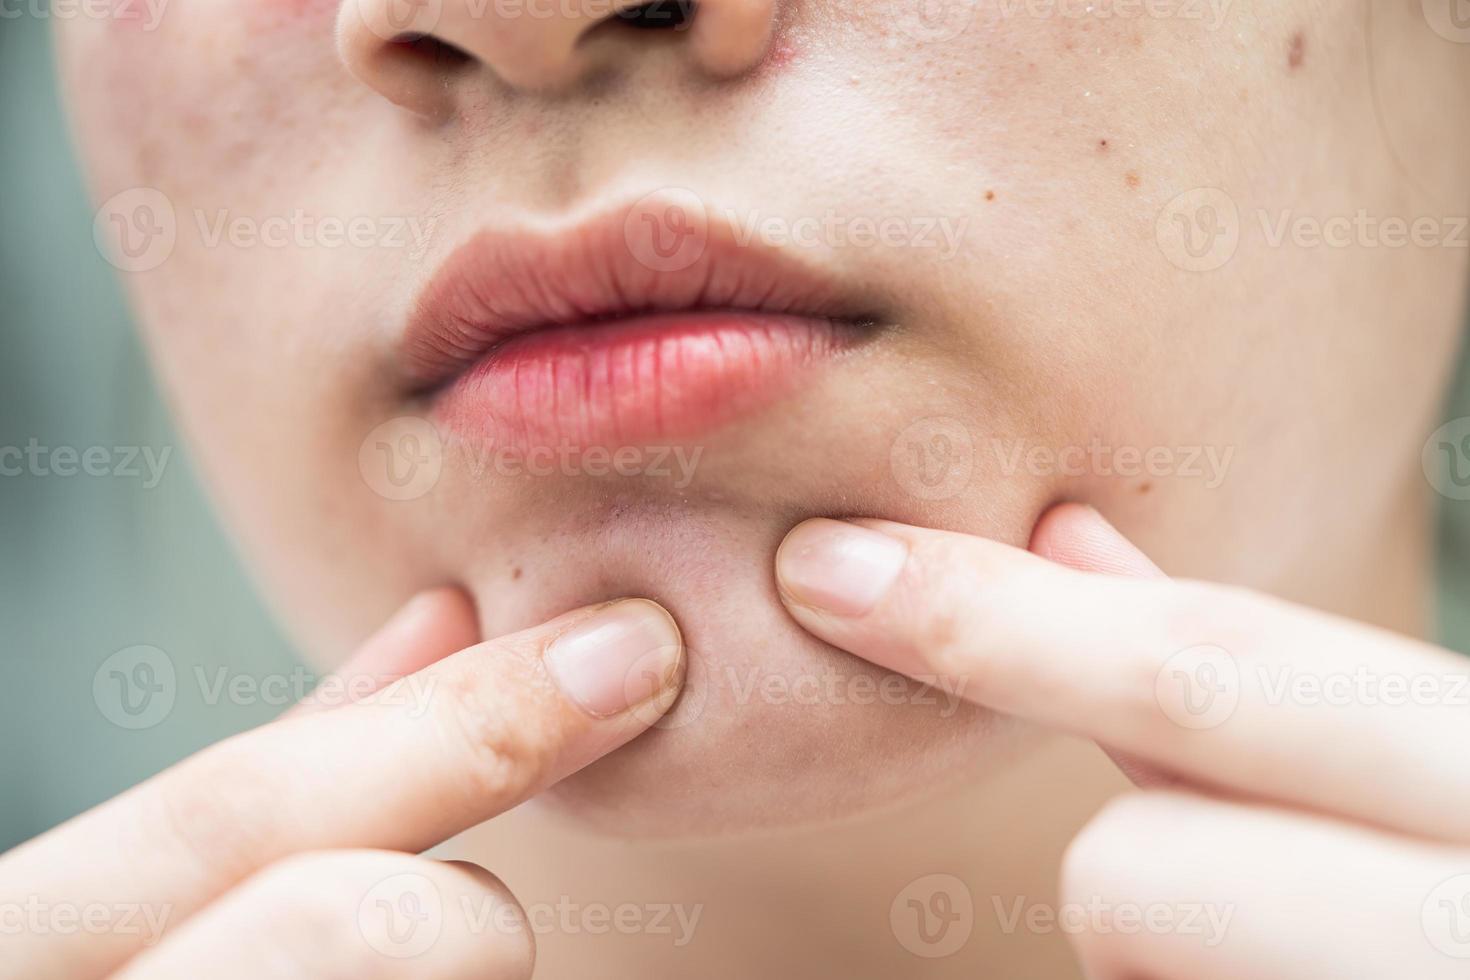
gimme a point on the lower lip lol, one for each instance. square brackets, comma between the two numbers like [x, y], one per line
[624, 383]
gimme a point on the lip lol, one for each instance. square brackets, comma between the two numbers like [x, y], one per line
[653, 321]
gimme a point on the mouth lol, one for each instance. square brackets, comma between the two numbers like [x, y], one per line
[655, 322]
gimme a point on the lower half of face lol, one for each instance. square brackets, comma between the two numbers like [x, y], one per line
[1060, 255]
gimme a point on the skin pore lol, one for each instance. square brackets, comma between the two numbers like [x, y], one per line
[1288, 384]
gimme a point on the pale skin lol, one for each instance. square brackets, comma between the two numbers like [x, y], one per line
[783, 803]
[1266, 821]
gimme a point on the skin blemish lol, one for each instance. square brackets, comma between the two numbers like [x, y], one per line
[1102, 145]
[1296, 54]
[990, 195]
[781, 56]
[1145, 487]
[1132, 180]
[516, 573]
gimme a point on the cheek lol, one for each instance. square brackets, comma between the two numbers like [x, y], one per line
[170, 90]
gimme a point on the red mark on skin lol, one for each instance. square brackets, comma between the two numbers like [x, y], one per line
[516, 574]
[781, 55]
[1102, 145]
[1296, 56]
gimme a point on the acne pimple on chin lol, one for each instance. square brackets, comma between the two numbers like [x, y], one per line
[783, 53]
[1296, 52]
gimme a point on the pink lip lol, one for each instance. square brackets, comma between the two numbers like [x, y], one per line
[593, 338]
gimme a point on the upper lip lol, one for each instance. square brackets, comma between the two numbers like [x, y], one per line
[501, 284]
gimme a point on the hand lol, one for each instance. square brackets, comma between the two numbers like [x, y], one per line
[1317, 822]
[277, 852]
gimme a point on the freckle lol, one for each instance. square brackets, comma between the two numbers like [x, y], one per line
[1297, 54]
[1102, 145]
[1132, 180]
[516, 573]
[1145, 487]
[990, 195]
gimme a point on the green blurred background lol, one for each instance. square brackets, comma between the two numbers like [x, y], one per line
[92, 565]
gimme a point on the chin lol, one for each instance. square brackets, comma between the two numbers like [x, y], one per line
[774, 729]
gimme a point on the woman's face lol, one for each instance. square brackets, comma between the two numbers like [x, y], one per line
[1192, 261]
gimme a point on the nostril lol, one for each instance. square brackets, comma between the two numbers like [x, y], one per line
[659, 15]
[429, 51]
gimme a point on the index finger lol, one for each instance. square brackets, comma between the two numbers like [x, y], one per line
[427, 757]
[1208, 683]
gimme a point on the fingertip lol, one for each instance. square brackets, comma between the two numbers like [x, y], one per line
[838, 567]
[1077, 536]
[618, 657]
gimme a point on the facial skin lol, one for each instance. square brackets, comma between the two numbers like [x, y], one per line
[1308, 376]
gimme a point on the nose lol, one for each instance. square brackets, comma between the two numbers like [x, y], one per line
[417, 53]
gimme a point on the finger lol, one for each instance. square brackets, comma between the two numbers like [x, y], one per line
[360, 914]
[430, 626]
[1179, 887]
[1216, 685]
[426, 757]
[1078, 537]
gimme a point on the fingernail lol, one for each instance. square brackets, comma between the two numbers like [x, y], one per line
[837, 567]
[620, 657]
